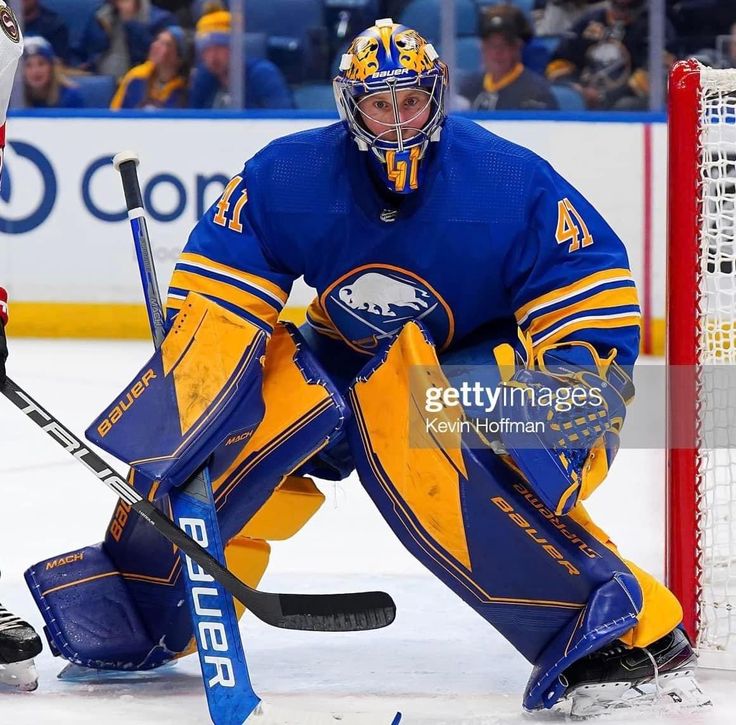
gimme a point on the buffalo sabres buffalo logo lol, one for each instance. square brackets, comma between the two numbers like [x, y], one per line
[373, 303]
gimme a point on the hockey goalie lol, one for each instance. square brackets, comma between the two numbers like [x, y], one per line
[446, 260]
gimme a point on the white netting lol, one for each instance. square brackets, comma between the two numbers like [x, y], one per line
[717, 349]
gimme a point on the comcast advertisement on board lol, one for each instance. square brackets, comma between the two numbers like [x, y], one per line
[63, 227]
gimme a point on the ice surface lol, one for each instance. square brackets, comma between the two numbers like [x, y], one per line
[438, 663]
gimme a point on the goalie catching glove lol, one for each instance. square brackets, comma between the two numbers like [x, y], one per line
[575, 412]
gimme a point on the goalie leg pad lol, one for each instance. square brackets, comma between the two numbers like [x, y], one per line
[552, 589]
[101, 617]
[304, 413]
[91, 619]
[255, 498]
[661, 611]
[334, 462]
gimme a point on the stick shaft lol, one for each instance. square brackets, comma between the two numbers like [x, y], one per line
[128, 169]
[194, 502]
[154, 306]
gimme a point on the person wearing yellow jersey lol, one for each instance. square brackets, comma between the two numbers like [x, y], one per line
[162, 81]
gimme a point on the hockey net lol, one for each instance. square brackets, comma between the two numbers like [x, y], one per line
[701, 324]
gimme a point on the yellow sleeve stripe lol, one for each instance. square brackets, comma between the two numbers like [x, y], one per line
[227, 293]
[571, 290]
[264, 285]
[624, 319]
[618, 297]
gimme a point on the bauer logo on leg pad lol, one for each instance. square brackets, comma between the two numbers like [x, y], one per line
[128, 398]
[533, 533]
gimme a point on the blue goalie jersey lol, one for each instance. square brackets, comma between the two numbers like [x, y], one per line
[493, 239]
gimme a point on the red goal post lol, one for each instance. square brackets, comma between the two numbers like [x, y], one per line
[701, 356]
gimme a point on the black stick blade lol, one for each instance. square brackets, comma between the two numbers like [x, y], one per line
[355, 612]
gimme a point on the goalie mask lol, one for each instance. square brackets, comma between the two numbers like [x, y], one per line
[390, 92]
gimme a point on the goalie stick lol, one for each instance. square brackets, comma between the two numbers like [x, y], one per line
[227, 686]
[314, 612]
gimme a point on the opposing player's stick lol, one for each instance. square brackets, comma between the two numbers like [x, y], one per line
[316, 612]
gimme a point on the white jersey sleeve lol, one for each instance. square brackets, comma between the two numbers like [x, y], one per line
[11, 49]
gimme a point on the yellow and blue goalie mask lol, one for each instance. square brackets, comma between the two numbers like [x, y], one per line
[390, 92]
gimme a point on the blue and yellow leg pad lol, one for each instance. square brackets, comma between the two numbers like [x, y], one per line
[97, 616]
[543, 581]
[117, 605]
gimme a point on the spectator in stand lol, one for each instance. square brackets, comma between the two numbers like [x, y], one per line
[265, 86]
[700, 26]
[506, 84]
[40, 21]
[44, 82]
[605, 57]
[558, 16]
[119, 35]
[183, 10]
[160, 82]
